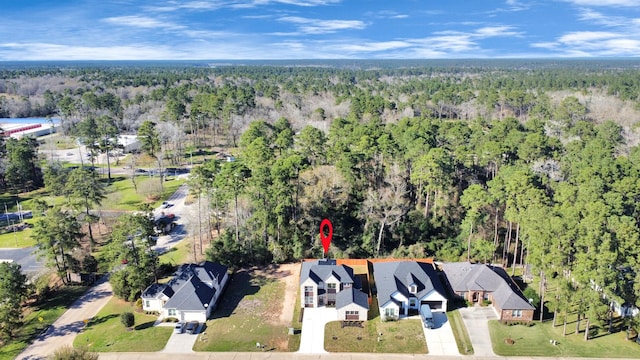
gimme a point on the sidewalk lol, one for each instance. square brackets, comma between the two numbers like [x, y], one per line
[64, 330]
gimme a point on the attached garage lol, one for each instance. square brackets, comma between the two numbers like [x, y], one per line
[434, 305]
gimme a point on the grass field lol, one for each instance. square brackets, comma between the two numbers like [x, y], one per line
[41, 315]
[105, 332]
[405, 336]
[535, 341]
[460, 333]
[246, 315]
[19, 239]
[179, 254]
[121, 194]
[294, 340]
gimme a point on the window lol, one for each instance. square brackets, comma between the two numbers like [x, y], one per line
[516, 313]
[346, 285]
[308, 296]
[331, 288]
[413, 288]
[413, 302]
[390, 312]
[351, 315]
[172, 312]
[147, 303]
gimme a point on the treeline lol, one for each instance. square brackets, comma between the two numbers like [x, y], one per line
[517, 164]
[501, 192]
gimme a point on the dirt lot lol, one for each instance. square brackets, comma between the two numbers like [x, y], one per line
[291, 280]
[257, 307]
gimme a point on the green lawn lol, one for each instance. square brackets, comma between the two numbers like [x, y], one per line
[246, 315]
[405, 336]
[294, 340]
[105, 332]
[42, 315]
[19, 239]
[460, 333]
[121, 194]
[534, 341]
[179, 254]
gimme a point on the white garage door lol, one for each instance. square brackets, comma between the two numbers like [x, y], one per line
[193, 316]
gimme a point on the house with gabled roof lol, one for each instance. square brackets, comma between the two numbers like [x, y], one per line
[324, 283]
[478, 282]
[192, 293]
[403, 286]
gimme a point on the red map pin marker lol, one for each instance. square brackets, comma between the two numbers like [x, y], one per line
[326, 240]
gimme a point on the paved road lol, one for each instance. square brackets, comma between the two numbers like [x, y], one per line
[25, 257]
[476, 319]
[182, 213]
[64, 330]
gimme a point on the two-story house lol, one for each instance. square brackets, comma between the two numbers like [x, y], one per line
[323, 283]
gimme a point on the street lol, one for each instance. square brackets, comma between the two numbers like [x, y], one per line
[64, 330]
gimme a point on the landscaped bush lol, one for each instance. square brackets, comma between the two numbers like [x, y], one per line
[171, 320]
[517, 322]
[127, 319]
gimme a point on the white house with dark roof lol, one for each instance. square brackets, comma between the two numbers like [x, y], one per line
[477, 282]
[352, 305]
[406, 285]
[323, 283]
[192, 293]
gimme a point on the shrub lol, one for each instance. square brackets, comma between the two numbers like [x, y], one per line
[70, 353]
[127, 319]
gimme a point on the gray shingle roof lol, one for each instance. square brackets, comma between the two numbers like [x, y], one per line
[192, 286]
[320, 272]
[193, 295]
[465, 276]
[398, 276]
[154, 291]
[350, 296]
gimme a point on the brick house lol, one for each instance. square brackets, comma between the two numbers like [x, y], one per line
[478, 282]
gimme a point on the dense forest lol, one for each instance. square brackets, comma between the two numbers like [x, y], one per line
[512, 162]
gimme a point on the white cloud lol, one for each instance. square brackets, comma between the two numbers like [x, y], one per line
[47, 51]
[594, 43]
[583, 37]
[141, 22]
[301, 3]
[495, 31]
[317, 26]
[614, 3]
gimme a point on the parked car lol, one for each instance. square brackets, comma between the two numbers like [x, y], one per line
[192, 327]
[179, 328]
[166, 204]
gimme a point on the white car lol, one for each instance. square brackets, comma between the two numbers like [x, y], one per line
[179, 328]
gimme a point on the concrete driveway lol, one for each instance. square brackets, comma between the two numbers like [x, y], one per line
[476, 319]
[181, 343]
[440, 340]
[313, 322]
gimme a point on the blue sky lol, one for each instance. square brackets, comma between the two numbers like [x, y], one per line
[317, 29]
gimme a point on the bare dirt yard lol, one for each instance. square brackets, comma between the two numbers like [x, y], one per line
[256, 308]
